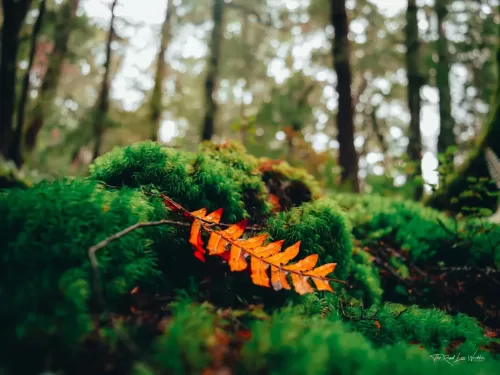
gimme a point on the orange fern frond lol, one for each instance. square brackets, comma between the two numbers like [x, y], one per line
[265, 260]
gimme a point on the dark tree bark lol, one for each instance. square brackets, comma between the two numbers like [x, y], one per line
[16, 147]
[415, 82]
[14, 15]
[157, 97]
[102, 105]
[379, 135]
[475, 165]
[243, 118]
[213, 71]
[446, 134]
[348, 158]
[297, 124]
[48, 89]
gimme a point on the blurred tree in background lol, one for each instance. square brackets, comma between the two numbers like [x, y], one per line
[363, 93]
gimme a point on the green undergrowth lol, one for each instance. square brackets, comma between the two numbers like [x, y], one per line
[431, 328]
[302, 340]
[427, 234]
[364, 279]
[53, 310]
[195, 180]
[46, 276]
[321, 229]
[291, 344]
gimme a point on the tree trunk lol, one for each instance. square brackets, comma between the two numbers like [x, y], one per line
[475, 165]
[213, 71]
[446, 135]
[348, 158]
[102, 105]
[415, 82]
[157, 97]
[48, 90]
[16, 147]
[243, 118]
[14, 14]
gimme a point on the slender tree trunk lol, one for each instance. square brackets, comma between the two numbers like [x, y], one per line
[378, 132]
[16, 149]
[243, 119]
[102, 105]
[14, 14]
[446, 135]
[415, 81]
[157, 97]
[348, 158]
[213, 71]
[475, 165]
[48, 89]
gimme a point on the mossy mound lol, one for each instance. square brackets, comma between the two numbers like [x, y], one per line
[427, 234]
[244, 173]
[46, 275]
[197, 181]
[53, 311]
[364, 278]
[321, 228]
[296, 341]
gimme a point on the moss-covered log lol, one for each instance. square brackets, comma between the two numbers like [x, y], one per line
[475, 165]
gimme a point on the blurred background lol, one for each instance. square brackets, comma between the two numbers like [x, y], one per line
[365, 93]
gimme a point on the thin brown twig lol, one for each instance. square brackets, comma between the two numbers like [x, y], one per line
[362, 314]
[124, 337]
[92, 250]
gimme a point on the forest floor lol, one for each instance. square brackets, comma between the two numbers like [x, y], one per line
[418, 289]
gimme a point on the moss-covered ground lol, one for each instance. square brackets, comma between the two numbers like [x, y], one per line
[422, 291]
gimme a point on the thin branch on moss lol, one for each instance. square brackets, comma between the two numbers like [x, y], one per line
[185, 211]
[447, 230]
[400, 313]
[389, 269]
[361, 316]
[92, 250]
[123, 336]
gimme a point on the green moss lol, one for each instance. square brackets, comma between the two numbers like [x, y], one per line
[243, 169]
[196, 181]
[46, 276]
[322, 229]
[182, 348]
[364, 279]
[427, 234]
[232, 154]
[290, 343]
[432, 328]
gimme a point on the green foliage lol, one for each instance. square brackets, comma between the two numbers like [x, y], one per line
[232, 154]
[243, 168]
[182, 348]
[195, 180]
[322, 229]
[364, 278]
[291, 343]
[50, 227]
[432, 328]
[427, 234]
[46, 275]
